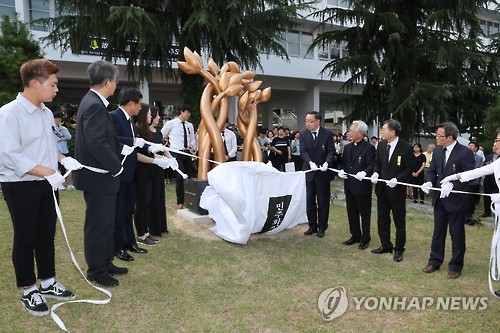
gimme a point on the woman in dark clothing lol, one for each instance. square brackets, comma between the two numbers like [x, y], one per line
[281, 147]
[417, 168]
[150, 213]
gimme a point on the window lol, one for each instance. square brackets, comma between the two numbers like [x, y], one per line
[337, 3]
[305, 42]
[297, 44]
[8, 8]
[489, 28]
[39, 9]
[293, 40]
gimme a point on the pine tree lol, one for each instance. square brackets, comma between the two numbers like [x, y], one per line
[420, 62]
[144, 33]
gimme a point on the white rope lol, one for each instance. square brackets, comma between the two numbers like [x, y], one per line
[54, 316]
[494, 264]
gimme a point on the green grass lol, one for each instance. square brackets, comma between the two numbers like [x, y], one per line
[194, 282]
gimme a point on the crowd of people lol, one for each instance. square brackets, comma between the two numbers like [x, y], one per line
[120, 162]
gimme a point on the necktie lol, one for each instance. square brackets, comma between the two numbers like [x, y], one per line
[185, 135]
[224, 143]
[388, 152]
[132, 127]
[444, 157]
[314, 135]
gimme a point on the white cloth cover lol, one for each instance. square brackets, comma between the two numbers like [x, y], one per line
[252, 197]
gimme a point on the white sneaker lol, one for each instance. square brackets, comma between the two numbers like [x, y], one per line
[61, 188]
[70, 187]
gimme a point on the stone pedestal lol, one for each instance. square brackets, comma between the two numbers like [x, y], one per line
[193, 188]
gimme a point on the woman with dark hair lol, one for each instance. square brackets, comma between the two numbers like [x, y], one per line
[417, 172]
[150, 214]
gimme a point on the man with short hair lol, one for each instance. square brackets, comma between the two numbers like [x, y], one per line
[180, 133]
[317, 152]
[358, 159]
[29, 175]
[392, 163]
[450, 158]
[97, 146]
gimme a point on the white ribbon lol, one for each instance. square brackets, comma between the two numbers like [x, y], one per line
[494, 265]
[53, 308]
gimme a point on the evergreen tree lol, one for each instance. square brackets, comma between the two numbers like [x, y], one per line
[144, 33]
[420, 62]
[16, 47]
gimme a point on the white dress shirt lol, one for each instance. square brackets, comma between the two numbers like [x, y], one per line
[175, 132]
[230, 142]
[27, 140]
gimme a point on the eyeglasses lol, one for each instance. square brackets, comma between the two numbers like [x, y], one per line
[440, 136]
[310, 121]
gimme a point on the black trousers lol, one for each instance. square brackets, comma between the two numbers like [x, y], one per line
[124, 227]
[398, 208]
[318, 191]
[359, 206]
[98, 232]
[31, 208]
[456, 221]
[186, 166]
[150, 213]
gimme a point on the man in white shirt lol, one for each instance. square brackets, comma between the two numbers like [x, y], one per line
[28, 173]
[231, 147]
[180, 135]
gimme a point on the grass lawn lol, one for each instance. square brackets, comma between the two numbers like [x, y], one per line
[194, 282]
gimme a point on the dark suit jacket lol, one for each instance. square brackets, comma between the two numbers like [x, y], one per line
[96, 145]
[398, 167]
[489, 183]
[355, 159]
[125, 136]
[319, 151]
[461, 159]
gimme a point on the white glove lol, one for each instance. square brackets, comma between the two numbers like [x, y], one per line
[119, 172]
[446, 190]
[392, 183]
[324, 167]
[313, 166]
[360, 175]
[139, 142]
[161, 162]
[155, 148]
[55, 180]
[172, 163]
[449, 179]
[495, 198]
[426, 187]
[70, 164]
[374, 178]
[342, 174]
[127, 150]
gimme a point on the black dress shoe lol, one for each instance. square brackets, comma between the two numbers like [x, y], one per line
[398, 256]
[116, 271]
[310, 231]
[136, 249]
[123, 255]
[497, 293]
[104, 280]
[363, 246]
[350, 241]
[381, 250]
[321, 234]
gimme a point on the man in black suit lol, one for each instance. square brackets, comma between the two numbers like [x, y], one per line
[317, 149]
[448, 159]
[392, 163]
[130, 100]
[358, 159]
[97, 146]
